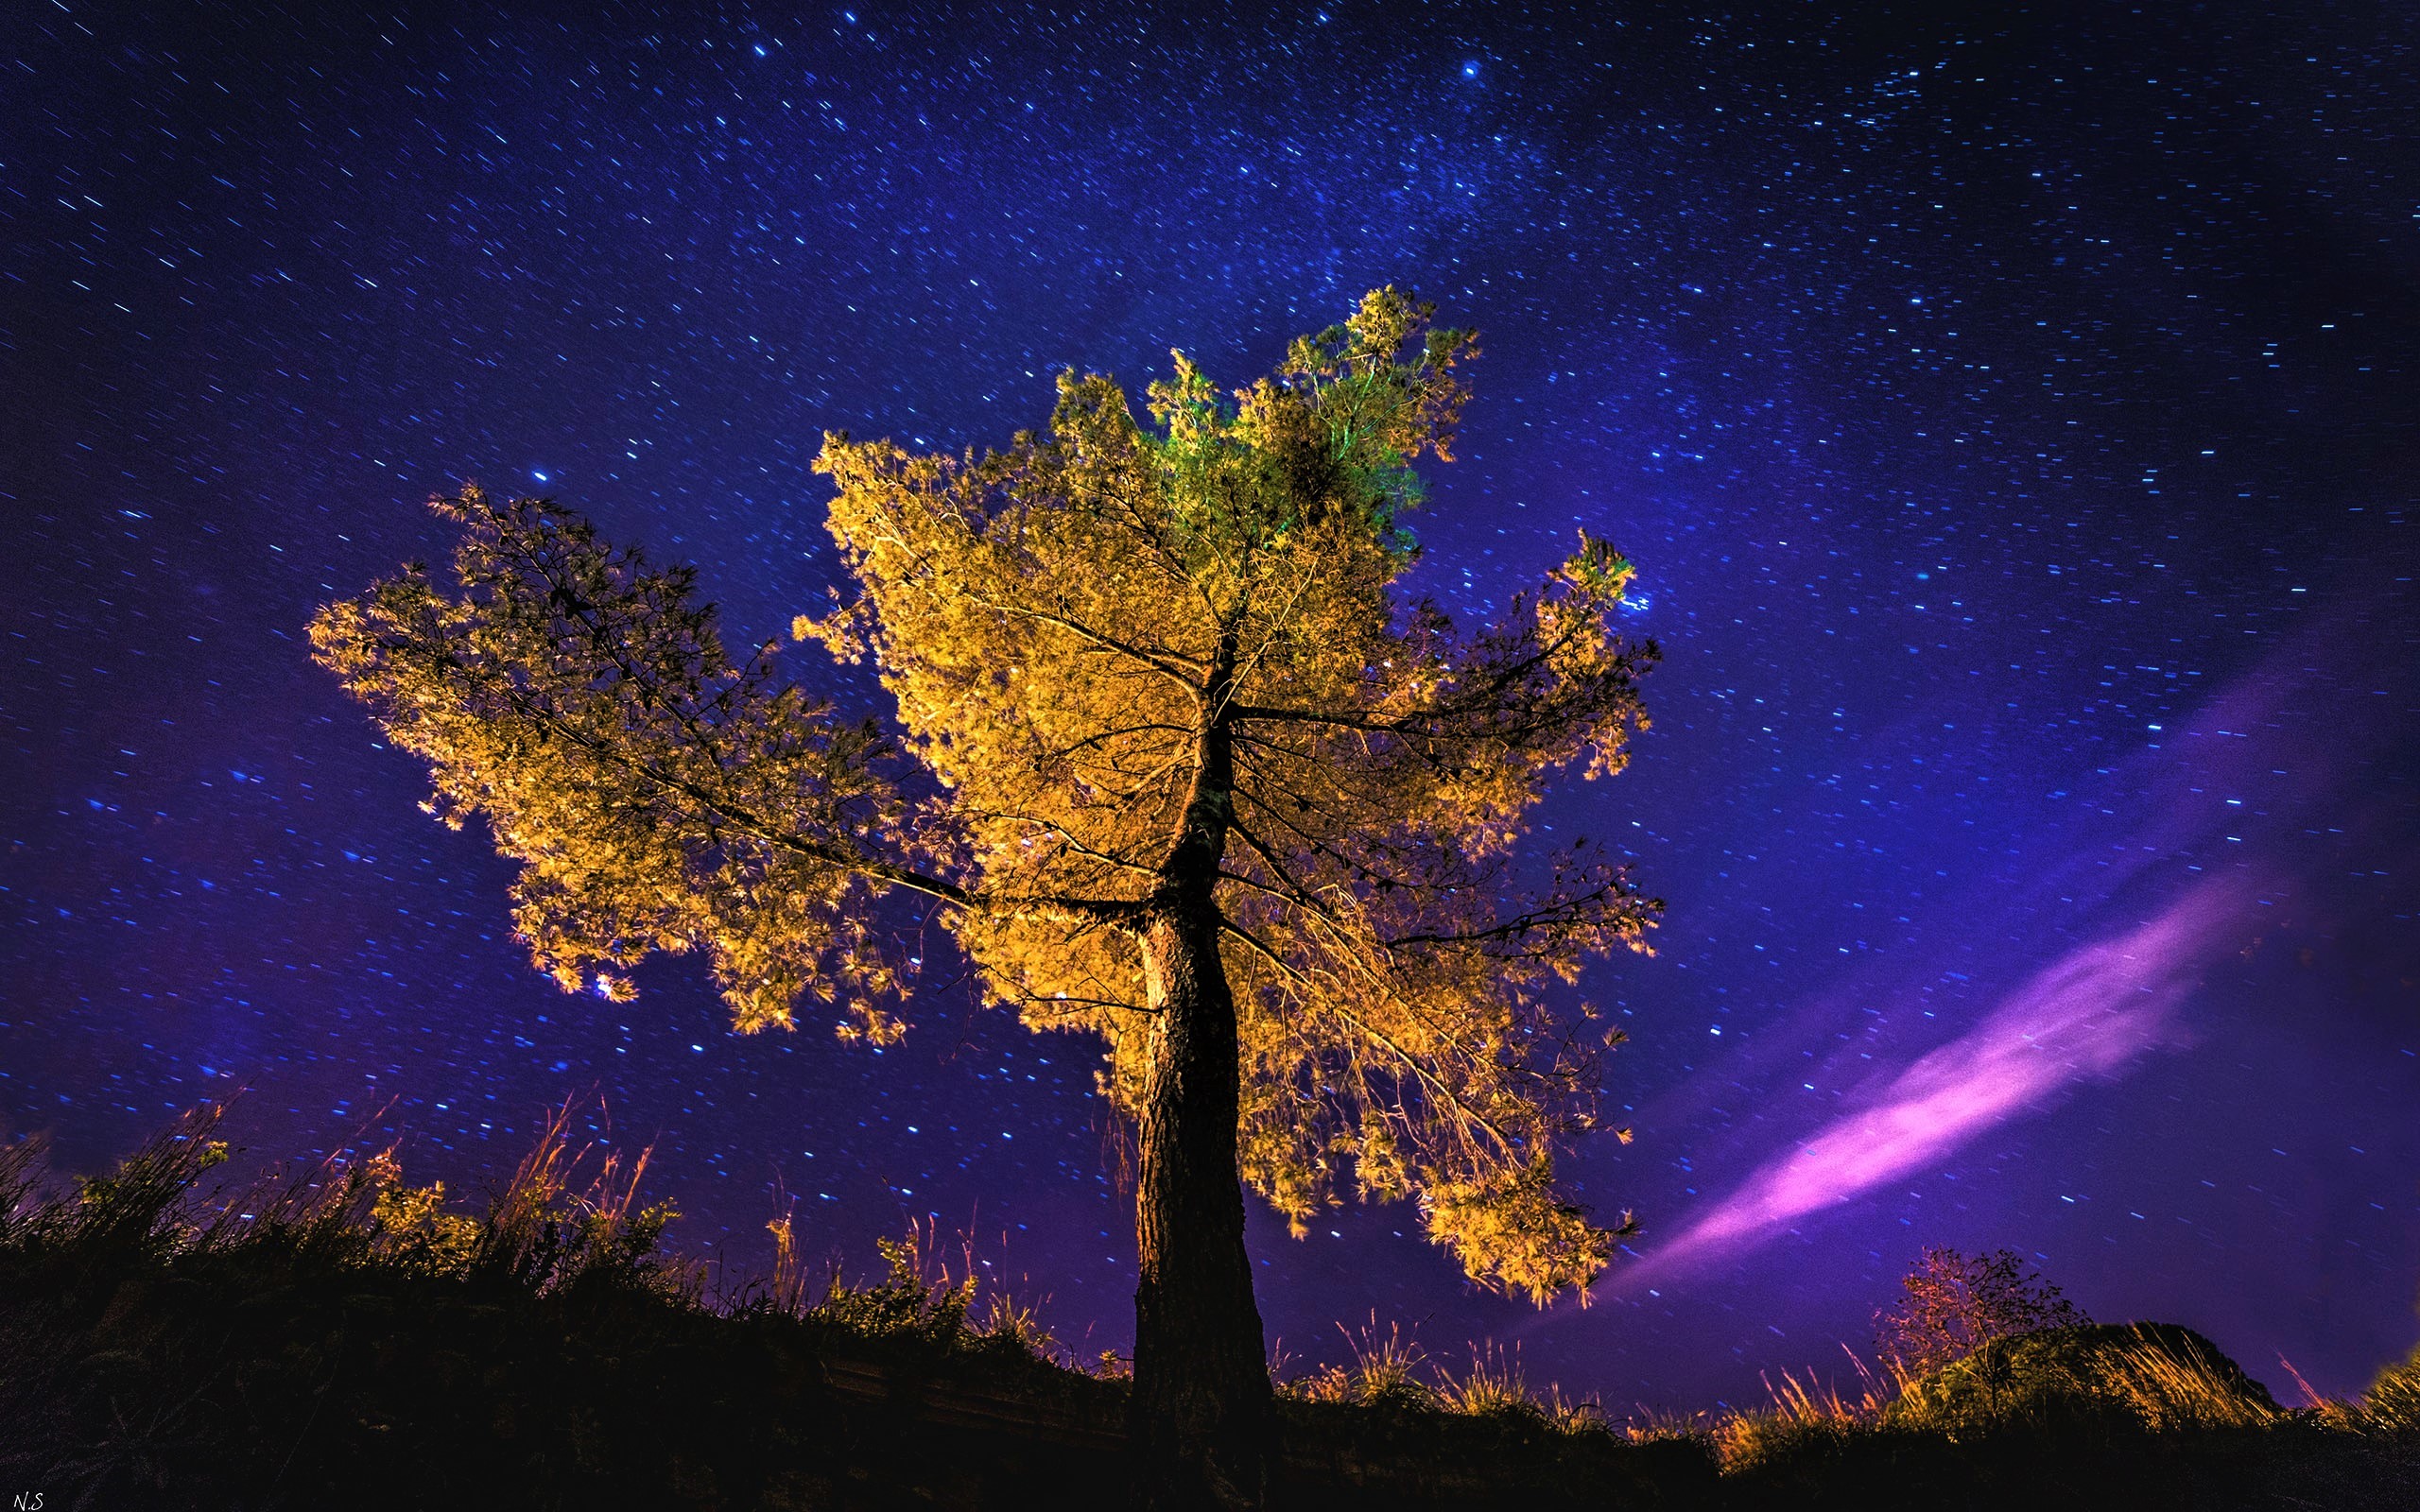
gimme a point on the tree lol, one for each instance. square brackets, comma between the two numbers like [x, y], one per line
[1175, 765]
[1956, 1304]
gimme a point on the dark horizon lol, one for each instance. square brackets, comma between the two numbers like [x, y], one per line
[2014, 429]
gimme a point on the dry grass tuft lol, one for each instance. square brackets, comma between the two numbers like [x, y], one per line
[2173, 1387]
[1493, 1386]
[2391, 1407]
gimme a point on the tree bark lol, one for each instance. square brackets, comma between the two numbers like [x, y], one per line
[1204, 1424]
[1204, 1420]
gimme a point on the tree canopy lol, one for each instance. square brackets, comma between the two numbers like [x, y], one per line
[1119, 650]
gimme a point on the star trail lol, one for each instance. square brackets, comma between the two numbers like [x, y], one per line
[2013, 425]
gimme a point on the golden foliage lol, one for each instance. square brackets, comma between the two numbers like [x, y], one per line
[658, 796]
[1107, 643]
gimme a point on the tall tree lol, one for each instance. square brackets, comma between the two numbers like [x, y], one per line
[1196, 780]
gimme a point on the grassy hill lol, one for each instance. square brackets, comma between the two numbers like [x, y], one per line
[335, 1337]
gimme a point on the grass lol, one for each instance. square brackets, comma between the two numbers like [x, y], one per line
[2392, 1404]
[330, 1334]
[2139, 1416]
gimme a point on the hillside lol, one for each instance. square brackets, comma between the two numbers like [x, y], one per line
[334, 1337]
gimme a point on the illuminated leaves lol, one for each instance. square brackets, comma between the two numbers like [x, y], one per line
[658, 796]
[1066, 622]
[1106, 642]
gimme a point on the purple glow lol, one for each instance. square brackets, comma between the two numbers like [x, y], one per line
[2017, 459]
[2085, 1015]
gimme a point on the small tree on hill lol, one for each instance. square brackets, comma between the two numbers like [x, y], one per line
[1197, 782]
[1956, 1304]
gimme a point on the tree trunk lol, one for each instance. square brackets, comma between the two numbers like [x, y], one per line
[1203, 1421]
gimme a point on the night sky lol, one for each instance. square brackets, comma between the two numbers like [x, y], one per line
[2015, 429]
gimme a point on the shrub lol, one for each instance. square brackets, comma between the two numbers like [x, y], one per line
[1385, 1373]
[2155, 1376]
[1956, 1304]
[1495, 1387]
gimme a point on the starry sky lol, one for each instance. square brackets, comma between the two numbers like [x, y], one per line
[2013, 425]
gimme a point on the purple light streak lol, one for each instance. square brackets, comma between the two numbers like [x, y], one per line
[2086, 1015]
